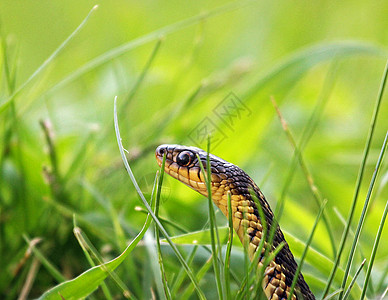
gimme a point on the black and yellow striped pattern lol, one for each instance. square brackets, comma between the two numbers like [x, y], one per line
[182, 164]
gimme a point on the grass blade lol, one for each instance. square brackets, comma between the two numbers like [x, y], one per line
[45, 262]
[306, 249]
[331, 296]
[85, 244]
[228, 249]
[142, 75]
[354, 279]
[384, 294]
[359, 179]
[166, 289]
[374, 250]
[213, 227]
[88, 281]
[363, 214]
[156, 220]
[181, 275]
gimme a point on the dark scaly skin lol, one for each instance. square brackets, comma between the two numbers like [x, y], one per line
[225, 177]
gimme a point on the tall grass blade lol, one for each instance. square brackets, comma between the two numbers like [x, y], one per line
[147, 206]
[359, 179]
[215, 241]
[363, 214]
[166, 289]
[332, 295]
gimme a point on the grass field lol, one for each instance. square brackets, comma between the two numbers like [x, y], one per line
[291, 92]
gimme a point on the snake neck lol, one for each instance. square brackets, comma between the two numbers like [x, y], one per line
[249, 226]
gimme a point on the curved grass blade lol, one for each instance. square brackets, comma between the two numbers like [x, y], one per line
[143, 73]
[332, 295]
[147, 206]
[88, 282]
[166, 289]
[384, 294]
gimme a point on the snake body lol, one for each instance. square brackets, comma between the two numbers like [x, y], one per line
[182, 164]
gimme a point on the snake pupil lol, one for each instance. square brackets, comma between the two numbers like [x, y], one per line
[184, 158]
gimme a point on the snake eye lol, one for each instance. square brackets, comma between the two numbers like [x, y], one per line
[184, 158]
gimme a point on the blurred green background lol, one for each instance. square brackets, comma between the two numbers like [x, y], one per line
[325, 54]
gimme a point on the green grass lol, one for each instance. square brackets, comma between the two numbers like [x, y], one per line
[70, 220]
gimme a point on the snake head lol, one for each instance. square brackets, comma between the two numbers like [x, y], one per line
[182, 163]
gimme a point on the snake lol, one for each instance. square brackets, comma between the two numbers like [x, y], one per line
[182, 163]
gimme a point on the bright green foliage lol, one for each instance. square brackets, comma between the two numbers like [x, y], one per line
[173, 66]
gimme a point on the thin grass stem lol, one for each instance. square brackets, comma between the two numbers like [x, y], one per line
[300, 265]
[374, 250]
[181, 275]
[228, 248]
[359, 179]
[363, 215]
[347, 293]
[309, 178]
[142, 75]
[384, 294]
[216, 250]
[166, 289]
[189, 290]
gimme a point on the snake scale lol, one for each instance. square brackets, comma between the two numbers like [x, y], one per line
[182, 164]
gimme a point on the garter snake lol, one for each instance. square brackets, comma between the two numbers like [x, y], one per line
[182, 164]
